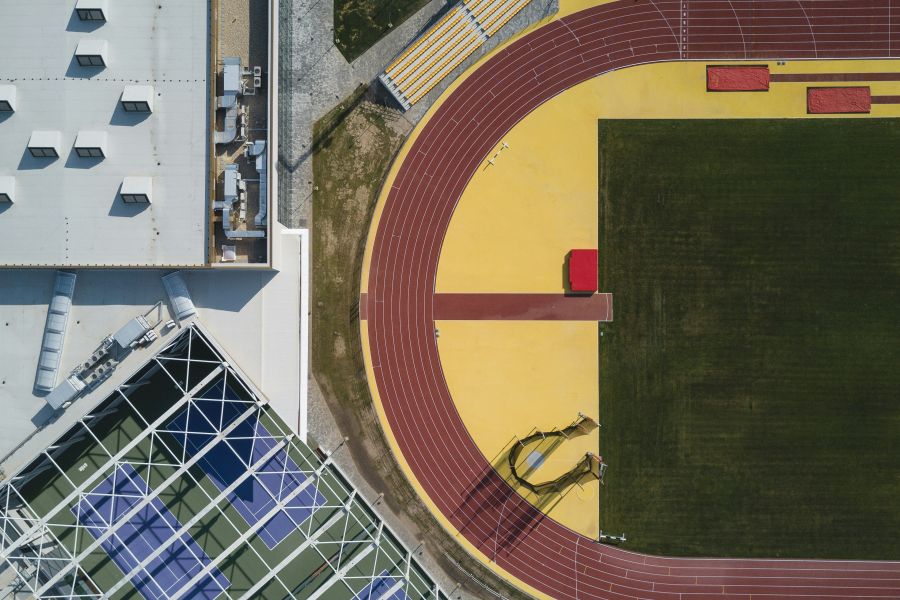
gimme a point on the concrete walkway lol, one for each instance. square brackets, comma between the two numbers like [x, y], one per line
[315, 76]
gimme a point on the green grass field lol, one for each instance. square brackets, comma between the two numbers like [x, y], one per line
[750, 383]
[359, 24]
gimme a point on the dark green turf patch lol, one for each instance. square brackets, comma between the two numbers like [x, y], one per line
[750, 383]
[359, 24]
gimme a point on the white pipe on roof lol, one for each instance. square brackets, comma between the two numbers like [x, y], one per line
[262, 169]
[179, 298]
[55, 331]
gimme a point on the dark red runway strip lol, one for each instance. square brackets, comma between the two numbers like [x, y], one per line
[824, 77]
[405, 359]
[522, 307]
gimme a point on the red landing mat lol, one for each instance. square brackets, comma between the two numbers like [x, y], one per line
[583, 270]
[838, 100]
[737, 78]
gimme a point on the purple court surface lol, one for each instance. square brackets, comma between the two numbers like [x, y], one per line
[143, 533]
[379, 586]
[225, 462]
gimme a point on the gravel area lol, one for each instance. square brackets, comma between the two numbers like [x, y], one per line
[314, 77]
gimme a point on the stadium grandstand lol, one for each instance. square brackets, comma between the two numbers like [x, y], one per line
[443, 47]
[182, 483]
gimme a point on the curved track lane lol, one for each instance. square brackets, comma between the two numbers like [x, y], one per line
[404, 261]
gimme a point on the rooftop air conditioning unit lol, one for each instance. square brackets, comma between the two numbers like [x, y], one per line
[7, 189]
[7, 98]
[91, 144]
[91, 53]
[137, 190]
[45, 144]
[137, 98]
[91, 10]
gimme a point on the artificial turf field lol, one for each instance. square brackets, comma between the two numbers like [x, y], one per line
[750, 383]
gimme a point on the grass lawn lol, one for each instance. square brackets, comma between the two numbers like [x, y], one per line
[353, 148]
[750, 384]
[358, 24]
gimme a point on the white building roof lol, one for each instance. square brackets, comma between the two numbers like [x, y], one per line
[70, 205]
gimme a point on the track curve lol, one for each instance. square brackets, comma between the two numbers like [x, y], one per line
[403, 268]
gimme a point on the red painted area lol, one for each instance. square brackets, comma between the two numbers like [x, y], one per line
[838, 100]
[737, 78]
[405, 359]
[818, 77]
[583, 270]
[522, 307]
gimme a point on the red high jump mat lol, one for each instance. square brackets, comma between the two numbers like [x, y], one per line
[583, 270]
[736, 78]
[838, 100]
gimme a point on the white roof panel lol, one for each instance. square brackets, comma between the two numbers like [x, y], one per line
[88, 4]
[76, 211]
[45, 139]
[91, 47]
[8, 95]
[8, 187]
[91, 139]
[138, 93]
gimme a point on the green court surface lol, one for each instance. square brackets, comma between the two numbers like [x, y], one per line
[340, 550]
[749, 385]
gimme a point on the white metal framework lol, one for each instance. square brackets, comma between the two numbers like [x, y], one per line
[338, 548]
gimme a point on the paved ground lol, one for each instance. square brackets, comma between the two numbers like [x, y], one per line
[315, 76]
[253, 314]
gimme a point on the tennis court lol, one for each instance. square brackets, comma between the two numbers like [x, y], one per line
[183, 484]
[276, 478]
[145, 531]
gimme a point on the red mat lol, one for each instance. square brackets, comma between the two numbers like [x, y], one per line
[838, 100]
[737, 78]
[583, 270]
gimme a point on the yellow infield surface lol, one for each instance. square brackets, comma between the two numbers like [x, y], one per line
[520, 214]
[512, 378]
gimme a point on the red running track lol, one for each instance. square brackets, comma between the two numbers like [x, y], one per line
[467, 126]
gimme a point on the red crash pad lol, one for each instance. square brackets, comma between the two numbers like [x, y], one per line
[583, 270]
[838, 100]
[737, 78]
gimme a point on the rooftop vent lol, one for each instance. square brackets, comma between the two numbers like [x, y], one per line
[137, 190]
[7, 98]
[91, 144]
[91, 53]
[7, 189]
[137, 98]
[91, 10]
[45, 144]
